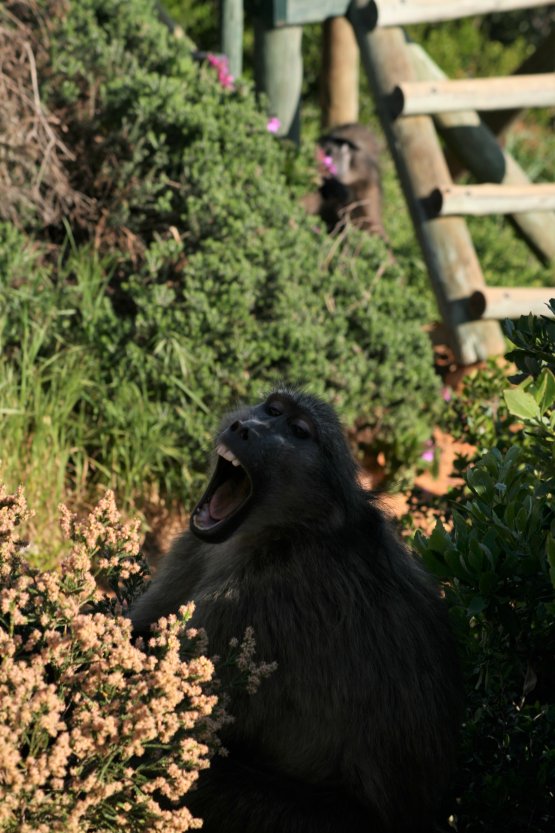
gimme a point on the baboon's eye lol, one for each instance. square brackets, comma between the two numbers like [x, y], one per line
[273, 409]
[301, 429]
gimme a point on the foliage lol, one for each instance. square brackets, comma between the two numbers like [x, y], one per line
[199, 20]
[498, 564]
[534, 337]
[193, 279]
[477, 413]
[464, 47]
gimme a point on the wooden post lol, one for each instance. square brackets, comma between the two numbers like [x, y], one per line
[474, 144]
[446, 244]
[340, 63]
[232, 34]
[279, 74]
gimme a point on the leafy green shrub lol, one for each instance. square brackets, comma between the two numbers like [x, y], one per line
[195, 278]
[477, 413]
[498, 564]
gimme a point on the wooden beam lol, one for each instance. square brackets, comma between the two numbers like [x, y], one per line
[479, 200]
[297, 12]
[403, 12]
[429, 97]
[468, 137]
[498, 303]
[446, 244]
[542, 60]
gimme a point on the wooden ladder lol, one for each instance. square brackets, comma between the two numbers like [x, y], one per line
[413, 98]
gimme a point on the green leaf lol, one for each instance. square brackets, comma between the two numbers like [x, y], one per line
[439, 540]
[521, 404]
[476, 556]
[477, 605]
[456, 562]
[509, 328]
[543, 389]
[435, 566]
[488, 582]
[481, 483]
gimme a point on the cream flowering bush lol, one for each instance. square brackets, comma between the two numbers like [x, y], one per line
[98, 731]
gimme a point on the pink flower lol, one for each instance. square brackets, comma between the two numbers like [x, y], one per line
[447, 394]
[273, 124]
[326, 164]
[329, 165]
[428, 454]
[226, 80]
[221, 64]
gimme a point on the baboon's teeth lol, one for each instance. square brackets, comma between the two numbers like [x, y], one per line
[227, 455]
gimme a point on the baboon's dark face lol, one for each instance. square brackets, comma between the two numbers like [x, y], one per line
[341, 153]
[267, 457]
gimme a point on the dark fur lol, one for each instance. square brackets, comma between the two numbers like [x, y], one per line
[356, 729]
[354, 193]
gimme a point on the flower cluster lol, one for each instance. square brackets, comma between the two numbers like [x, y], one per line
[221, 64]
[428, 455]
[252, 672]
[109, 547]
[13, 512]
[96, 732]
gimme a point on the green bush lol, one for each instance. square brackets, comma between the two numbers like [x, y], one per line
[498, 565]
[193, 278]
[477, 413]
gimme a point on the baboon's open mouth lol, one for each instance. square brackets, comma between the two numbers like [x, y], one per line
[220, 510]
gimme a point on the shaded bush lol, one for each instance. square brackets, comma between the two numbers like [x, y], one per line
[498, 565]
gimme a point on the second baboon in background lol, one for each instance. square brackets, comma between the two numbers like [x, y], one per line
[351, 185]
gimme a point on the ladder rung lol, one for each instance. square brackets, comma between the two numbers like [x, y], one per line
[419, 98]
[494, 302]
[490, 199]
[402, 12]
